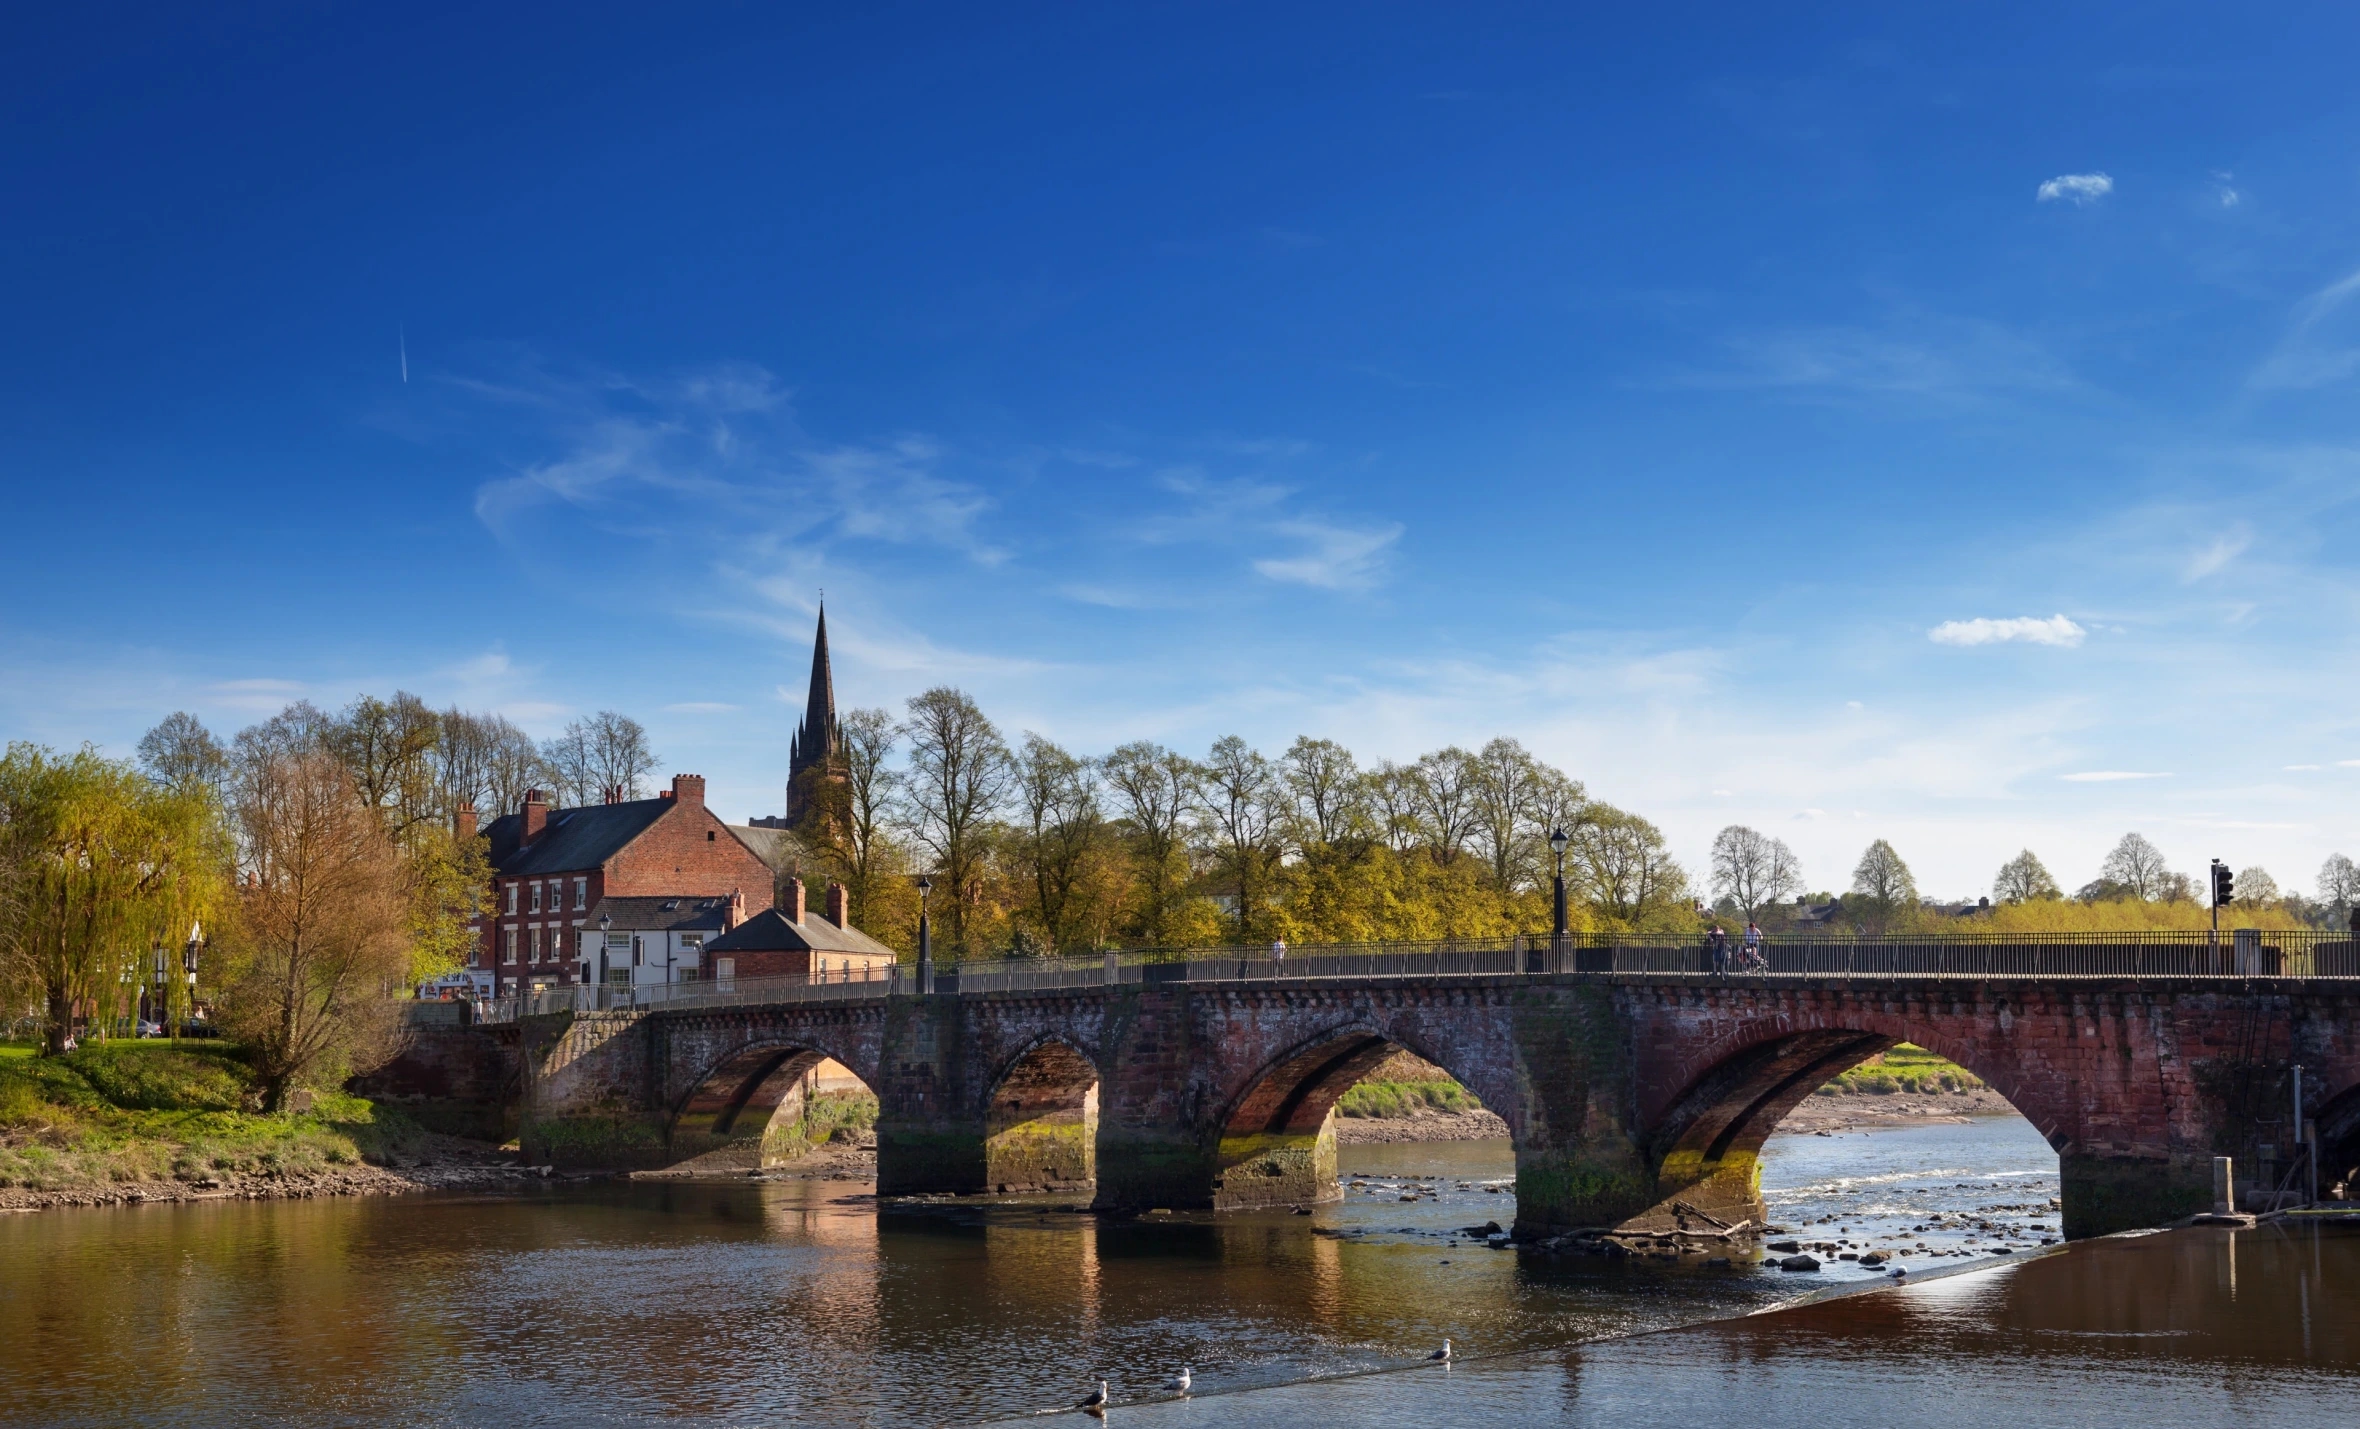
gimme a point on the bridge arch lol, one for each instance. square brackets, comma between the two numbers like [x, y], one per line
[1707, 1121]
[1276, 1129]
[1041, 1119]
[762, 1103]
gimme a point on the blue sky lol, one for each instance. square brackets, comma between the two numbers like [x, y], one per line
[1882, 421]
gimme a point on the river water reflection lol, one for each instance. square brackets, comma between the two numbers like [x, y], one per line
[803, 1302]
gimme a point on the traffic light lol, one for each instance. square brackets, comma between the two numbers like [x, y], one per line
[2224, 891]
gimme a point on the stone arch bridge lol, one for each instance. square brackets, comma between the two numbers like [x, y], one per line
[1630, 1096]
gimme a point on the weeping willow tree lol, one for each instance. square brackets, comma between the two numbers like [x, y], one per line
[100, 866]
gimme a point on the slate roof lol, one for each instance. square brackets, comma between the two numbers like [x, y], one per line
[772, 846]
[663, 915]
[573, 839]
[770, 931]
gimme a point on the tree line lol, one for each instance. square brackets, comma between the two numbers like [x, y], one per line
[1033, 847]
[313, 851]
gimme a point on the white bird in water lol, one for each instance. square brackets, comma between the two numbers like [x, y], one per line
[1180, 1384]
[1096, 1403]
[1441, 1356]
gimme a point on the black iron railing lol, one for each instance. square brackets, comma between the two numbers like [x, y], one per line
[2241, 953]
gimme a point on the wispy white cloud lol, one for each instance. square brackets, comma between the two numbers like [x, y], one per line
[2056, 630]
[2309, 355]
[1919, 355]
[2110, 776]
[2225, 192]
[1334, 557]
[2218, 553]
[2076, 188]
[2348, 764]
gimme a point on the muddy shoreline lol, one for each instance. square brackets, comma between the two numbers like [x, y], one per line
[440, 1163]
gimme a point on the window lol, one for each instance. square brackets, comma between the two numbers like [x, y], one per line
[536, 897]
[709, 836]
[508, 943]
[536, 931]
[724, 969]
[581, 894]
[511, 897]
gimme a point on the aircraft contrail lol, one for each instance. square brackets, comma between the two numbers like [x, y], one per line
[404, 330]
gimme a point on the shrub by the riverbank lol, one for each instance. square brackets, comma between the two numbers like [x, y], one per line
[118, 1113]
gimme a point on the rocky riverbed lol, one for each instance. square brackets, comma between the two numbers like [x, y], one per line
[1855, 1113]
[438, 1163]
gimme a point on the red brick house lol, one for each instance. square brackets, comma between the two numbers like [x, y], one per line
[789, 940]
[550, 867]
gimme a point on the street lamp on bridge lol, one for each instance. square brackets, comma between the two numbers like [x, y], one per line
[1557, 843]
[925, 938]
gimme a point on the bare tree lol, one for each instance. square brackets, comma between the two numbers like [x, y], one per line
[607, 751]
[1883, 883]
[2255, 888]
[1753, 870]
[1064, 829]
[853, 812]
[321, 940]
[1241, 800]
[1155, 789]
[182, 753]
[2023, 879]
[959, 775]
[1443, 785]
[1507, 783]
[1392, 792]
[2137, 867]
[512, 764]
[2339, 885]
[387, 747]
[1330, 799]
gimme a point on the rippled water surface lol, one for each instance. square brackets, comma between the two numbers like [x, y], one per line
[804, 1302]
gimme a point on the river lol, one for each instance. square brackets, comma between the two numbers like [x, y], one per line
[784, 1301]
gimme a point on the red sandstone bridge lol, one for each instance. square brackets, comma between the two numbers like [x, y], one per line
[1637, 1085]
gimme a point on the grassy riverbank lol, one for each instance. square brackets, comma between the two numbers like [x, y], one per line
[1906, 1069]
[121, 1113]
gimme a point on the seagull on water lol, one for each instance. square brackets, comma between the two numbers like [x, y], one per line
[1441, 1356]
[1096, 1402]
[1180, 1384]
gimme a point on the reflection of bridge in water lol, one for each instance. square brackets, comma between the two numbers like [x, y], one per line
[1635, 1082]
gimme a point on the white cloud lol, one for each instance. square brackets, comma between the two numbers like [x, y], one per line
[2076, 188]
[2109, 776]
[2056, 630]
[2348, 764]
[2306, 357]
[2300, 768]
[2225, 191]
[1336, 558]
[2224, 549]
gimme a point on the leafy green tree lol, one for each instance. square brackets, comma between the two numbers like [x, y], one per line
[1882, 886]
[1625, 870]
[99, 865]
[2024, 879]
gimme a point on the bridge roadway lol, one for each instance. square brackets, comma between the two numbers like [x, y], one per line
[1633, 1097]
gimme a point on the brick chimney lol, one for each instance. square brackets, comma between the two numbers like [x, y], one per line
[791, 904]
[689, 789]
[836, 914]
[463, 822]
[536, 814]
[737, 910]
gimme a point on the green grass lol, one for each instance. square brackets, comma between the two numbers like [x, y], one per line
[838, 1116]
[1384, 1099]
[1906, 1068]
[116, 1112]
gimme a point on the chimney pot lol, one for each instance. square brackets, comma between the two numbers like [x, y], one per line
[463, 822]
[689, 789]
[793, 906]
[836, 902]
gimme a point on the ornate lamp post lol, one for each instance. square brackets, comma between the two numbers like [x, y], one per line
[605, 921]
[925, 939]
[188, 964]
[1557, 843]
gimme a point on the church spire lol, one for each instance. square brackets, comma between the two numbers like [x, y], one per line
[818, 741]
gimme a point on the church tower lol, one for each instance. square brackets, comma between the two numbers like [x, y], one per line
[819, 742]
